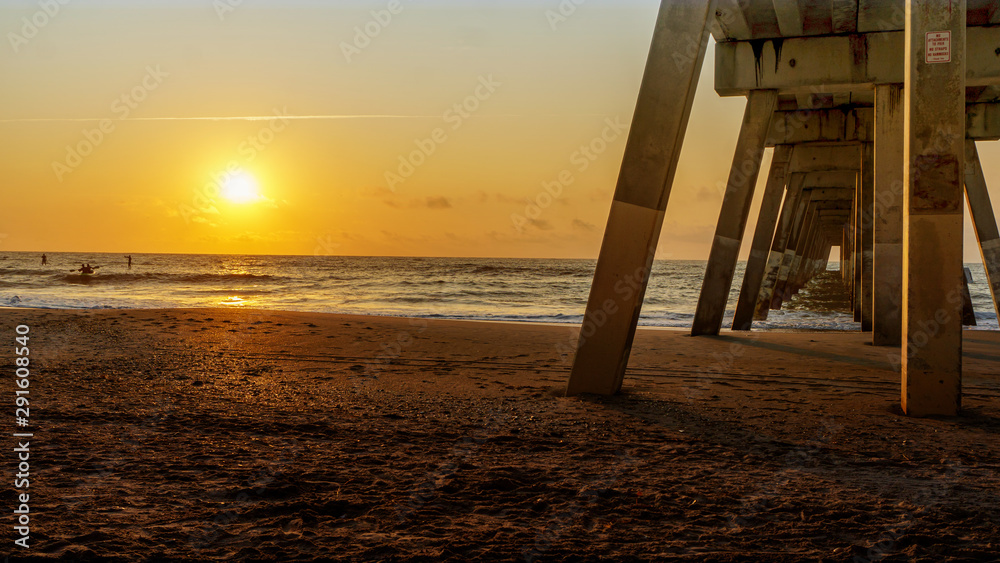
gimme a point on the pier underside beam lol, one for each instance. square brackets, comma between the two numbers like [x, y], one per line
[840, 63]
[857, 125]
[833, 159]
[821, 126]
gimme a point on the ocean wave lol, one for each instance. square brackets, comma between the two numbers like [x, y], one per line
[499, 270]
[413, 299]
[210, 278]
[553, 318]
[4, 284]
[228, 292]
[539, 271]
[24, 271]
[165, 278]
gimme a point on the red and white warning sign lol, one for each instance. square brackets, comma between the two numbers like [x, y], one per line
[938, 47]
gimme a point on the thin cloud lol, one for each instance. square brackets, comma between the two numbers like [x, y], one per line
[214, 118]
[269, 117]
[438, 203]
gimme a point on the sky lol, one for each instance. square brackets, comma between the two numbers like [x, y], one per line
[388, 127]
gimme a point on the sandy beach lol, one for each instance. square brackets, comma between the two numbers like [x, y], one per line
[193, 435]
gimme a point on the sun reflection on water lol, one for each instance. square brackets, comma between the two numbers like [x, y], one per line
[235, 301]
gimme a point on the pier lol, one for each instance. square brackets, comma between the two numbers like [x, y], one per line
[872, 110]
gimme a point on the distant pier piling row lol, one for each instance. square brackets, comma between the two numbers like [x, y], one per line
[872, 109]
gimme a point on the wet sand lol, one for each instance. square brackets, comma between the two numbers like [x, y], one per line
[194, 435]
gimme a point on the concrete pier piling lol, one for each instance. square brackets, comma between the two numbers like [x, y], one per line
[666, 94]
[763, 235]
[934, 156]
[735, 210]
[887, 261]
[983, 220]
[866, 184]
[779, 245]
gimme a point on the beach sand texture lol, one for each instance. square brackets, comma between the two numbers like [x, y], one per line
[194, 435]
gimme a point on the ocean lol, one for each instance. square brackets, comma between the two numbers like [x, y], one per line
[519, 290]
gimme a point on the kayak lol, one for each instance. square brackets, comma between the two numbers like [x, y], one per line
[80, 278]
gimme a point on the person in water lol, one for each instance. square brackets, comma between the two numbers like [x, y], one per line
[45, 259]
[86, 269]
[129, 261]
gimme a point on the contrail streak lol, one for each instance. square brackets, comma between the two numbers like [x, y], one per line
[268, 118]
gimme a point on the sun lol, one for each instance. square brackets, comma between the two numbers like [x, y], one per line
[240, 187]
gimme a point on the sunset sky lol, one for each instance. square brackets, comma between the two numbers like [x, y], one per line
[318, 125]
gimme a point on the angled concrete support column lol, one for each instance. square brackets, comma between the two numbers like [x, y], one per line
[735, 209]
[788, 260]
[800, 266]
[786, 278]
[778, 246]
[859, 251]
[850, 230]
[983, 219]
[848, 272]
[843, 254]
[934, 95]
[887, 311]
[804, 259]
[867, 184]
[968, 312]
[647, 174]
[816, 253]
[762, 237]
